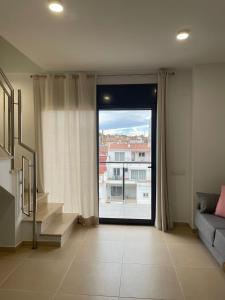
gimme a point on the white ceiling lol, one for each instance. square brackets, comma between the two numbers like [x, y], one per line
[13, 61]
[121, 35]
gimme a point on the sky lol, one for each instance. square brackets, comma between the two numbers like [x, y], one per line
[125, 122]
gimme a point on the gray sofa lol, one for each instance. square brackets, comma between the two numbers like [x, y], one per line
[211, 229]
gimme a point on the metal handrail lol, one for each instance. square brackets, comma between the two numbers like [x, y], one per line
[9, 146]
[34, 179]
[8, 92]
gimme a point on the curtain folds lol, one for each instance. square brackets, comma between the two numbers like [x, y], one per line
[65, 110]
[163, 206]
[39, 99]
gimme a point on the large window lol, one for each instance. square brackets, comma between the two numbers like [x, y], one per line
[116, 173]
[116, 191]
[119, 156]
[127, 138]
[138, 174]
[141, 154]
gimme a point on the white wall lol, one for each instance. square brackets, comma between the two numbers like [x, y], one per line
[179, 122]
[208, 128]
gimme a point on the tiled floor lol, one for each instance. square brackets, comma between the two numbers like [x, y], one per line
[111, 262]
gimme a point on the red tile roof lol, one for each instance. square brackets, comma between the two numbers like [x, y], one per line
[134, 147]
[102, 168]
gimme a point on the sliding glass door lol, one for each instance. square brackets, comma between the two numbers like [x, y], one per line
[126, 164]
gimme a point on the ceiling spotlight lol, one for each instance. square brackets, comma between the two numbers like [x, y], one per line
[107, 98]
[55, 6]
[183, 35]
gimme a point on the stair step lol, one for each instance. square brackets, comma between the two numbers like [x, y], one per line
[60, 223]
[44, 211]
[42, 198]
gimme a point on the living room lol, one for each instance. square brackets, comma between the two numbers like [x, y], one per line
[120, 107]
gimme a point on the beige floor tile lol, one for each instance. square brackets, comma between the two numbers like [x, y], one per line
[20, 253]
[79, 232]
[138, 299]
[82, 297]
[143, 234]
[191, 255]
[37, 275]
[104, 251]
[145, 253]
[202, 283]
[145, 281]
[106, 233]
[6, 267]
[23, 295]
[180, 235]
[92, 278]
[66, 252]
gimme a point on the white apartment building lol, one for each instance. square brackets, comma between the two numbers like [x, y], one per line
[126, 165]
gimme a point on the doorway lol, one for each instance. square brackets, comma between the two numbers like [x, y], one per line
[126, 153]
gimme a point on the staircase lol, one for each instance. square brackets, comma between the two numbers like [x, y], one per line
[53, 226]
[25, 215]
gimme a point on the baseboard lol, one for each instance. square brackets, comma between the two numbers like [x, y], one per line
[187, 225]
[42, 243]
[8, 249]
[181, 224]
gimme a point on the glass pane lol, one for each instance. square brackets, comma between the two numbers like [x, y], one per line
[137, 189]
[125, 164]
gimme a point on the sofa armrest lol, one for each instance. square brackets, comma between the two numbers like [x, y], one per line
[206, 203]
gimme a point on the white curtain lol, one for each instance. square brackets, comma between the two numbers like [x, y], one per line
[163, 205]
[66, 125]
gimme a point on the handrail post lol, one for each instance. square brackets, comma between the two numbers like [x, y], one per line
[34, 201]
[34, 165]
[8, 90]
[12, 130]
[19, 116]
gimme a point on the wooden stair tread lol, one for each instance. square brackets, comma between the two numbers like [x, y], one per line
[60, 224]
[44, 211]
[41, 196]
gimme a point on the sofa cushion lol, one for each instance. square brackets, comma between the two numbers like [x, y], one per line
[208, 223]
[219, 242]
[207, 202]
[220, 208]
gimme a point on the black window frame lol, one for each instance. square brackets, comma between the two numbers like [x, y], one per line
[138, 97]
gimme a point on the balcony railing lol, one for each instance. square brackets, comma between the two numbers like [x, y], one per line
[115, 177]
[124, 166]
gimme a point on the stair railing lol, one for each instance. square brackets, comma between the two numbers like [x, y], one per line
[32, 183]
[7, 145]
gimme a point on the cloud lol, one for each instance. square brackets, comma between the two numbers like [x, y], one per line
[124, 119]
[131, 131]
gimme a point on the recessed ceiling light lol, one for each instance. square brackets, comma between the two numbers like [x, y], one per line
[55, 6]
[107, 98]
[183, 35]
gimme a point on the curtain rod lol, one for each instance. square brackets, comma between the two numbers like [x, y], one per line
[102, 75]
[139, 74]
[58, 75]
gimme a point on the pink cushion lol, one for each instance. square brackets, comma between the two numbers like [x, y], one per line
[220, 208]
